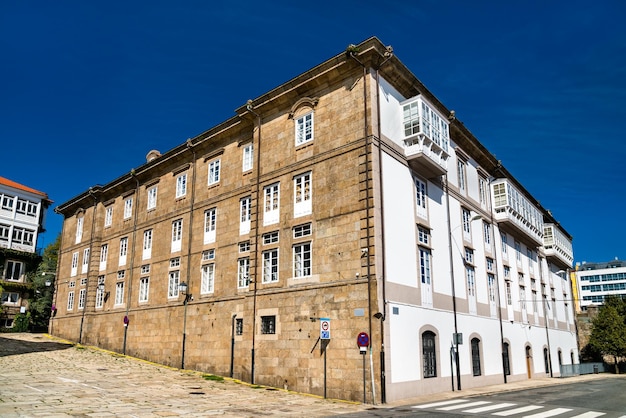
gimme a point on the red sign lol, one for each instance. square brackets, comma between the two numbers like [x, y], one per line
[363, 340]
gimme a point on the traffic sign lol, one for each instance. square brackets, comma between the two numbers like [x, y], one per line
[325, 328]
[363, 340]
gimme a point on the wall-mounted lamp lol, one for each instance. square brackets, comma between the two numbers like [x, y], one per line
[101, 289]
[183, 288]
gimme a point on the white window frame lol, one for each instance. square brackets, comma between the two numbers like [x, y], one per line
[123, 251]
[128, 207]
[304, 126]
[302, 199]
[70, 301]
[271, 206]
[10, 298]
[467, 224]
[303, 230]
[487, 235]
[146, 253]
[152, 198]
[243, 272]
[108, 216]
[79, 229]
[181, 185]
[74, 270]
[270, 266]
[245, 214]
[214, 172]
[119, 294]
[100, 293]
[177, 235]
[144, 288]
[210, 225]
[207, 272]
[248, 157]
[302, 259]
[85, 266]
[172, 285]
[104, 254]
[14, 270]
[461, 166]
[421, 198]
[81, 298]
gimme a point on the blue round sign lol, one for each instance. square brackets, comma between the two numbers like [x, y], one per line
[363, 340]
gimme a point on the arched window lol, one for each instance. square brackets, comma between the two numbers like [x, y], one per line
[560, 353]
[505, 359]
[546, 360]
[476, 356]
[429, 354]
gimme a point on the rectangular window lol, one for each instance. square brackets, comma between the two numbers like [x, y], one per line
[210, 223]
[270, 266]
[304, 129]
[244, 247]
[181, 185]
[108, 216]
[270, 238]
[491, 280]
[123, 251]
[248, 157]
[271, 207]
[104, 253]
[504, 243]
[487, 235]
[469, 255]
[121, 274]
[303, 230]
[522, 297]
[79, 229]
[174, 262]
[507, 273]
[100, 293]
[177, 235]
[509, 299]
[14, 270]
[471, 280]
[172, 288]
[239, 326]
[302, 195]
[208, 255]
[152, 198]
[85, 267]
[268, 324]
[23, 236]
[421, 198]
[4, 232]
[145, 269]
[70, 301]
[81, 298]
[467, 224]
[144, 289]
[489, 264]
[245, 213]
[482, 192]
[119, 293]
[74, 271]
[460, 167]
[147, 245]
[83, 281]
[424, 266]
[208, 278]
[214, 172]
[302, 260]
[128, 208]
[7, 202]
[243, 272]
[423, 235]
[10, 298]
[518, 251]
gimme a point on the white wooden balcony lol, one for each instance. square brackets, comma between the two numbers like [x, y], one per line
[514, 209]
[557, 245]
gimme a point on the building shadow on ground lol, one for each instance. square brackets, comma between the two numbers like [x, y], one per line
[11, 346]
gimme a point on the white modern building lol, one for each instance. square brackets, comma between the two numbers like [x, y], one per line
[597, 280]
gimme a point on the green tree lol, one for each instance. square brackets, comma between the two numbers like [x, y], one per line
[40, 302]
[608, 335]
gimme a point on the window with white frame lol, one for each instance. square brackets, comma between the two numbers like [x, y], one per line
[248, 157]
[214, 172]
[100, 293]
[13, 270]
[509, 299]
[424, 260]
[303, 230]
[23, 236]
[81, 298]
[181, 185]
[423, 235]
[174, 262]
[489, 261]
[172, 288]
[270, 238]
[108, 216]
[119, 293]
[302, 259]
[4, 232]
[460, 169]
[302, 195]
[79, 229]
[83, 281]
[245, 214]
[271, 206]
[70, 301]
[471, 280]
[491, 280]
[128, 207]
[26, 207]
[482, 192]
[270, 266]
[518, 251]
[469, 255]
[304, 129]
[522, 297]
[121, 274]
[74, 270]
[243, 272]
[210, 222]
[123, 251]
[421, 197]
[208, 255]
[244, 246]
[152, 198]
[144, 289]
[208, 278]
[145, 269]
[467, 224]
[7, 202]
[177, 235]
[507, 273]
[504, 243]
[147, 245]
[85, 267]
[487, 235]
[104, 253]
[72, 284]
[10, 298]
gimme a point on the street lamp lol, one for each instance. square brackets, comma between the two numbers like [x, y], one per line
[183, 288]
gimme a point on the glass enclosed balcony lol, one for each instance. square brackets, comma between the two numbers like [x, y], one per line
[557, 245]
[513, 208]
[426, 137]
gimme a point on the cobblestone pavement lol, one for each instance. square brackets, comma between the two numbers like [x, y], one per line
[41, 376]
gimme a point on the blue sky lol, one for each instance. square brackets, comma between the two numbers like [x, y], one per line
[88, 88]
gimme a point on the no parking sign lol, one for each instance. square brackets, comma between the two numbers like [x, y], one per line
[325, 328]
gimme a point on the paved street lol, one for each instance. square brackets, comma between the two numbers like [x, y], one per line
[44, 377]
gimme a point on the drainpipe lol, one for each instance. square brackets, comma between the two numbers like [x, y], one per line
[193, 194]
[132, 258]
[383, 390]
[351, 51]
[250, 108]
[91, 238]
[456, 341]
